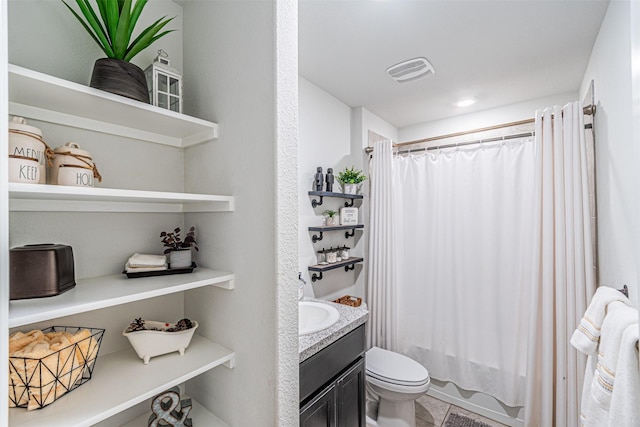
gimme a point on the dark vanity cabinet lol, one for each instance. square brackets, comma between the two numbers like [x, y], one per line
[332, 384]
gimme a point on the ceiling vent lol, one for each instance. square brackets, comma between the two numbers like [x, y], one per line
[410, 70]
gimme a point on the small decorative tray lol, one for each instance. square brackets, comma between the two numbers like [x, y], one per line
[349, 300]
[133, 275]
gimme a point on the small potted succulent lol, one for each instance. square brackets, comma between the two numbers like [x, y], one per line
[179, 250]
[350, 180]
[331, 217]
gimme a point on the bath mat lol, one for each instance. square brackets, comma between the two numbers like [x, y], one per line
[457, 420]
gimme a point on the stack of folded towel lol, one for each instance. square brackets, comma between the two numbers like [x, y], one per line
[139, 263]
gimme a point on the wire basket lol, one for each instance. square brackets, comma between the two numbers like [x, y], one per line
[42, 375]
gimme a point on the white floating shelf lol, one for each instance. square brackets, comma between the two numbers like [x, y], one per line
[108, 291]
[61, 198]
[51, 99]
[120, 381]
[199, 415]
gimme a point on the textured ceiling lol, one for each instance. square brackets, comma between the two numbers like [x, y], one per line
[498, 52]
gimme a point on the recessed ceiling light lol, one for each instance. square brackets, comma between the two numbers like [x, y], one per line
[410, 70]
[466, 102]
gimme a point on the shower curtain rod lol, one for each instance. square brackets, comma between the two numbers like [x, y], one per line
[589, 110]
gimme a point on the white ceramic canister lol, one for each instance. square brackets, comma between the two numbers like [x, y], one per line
[24, 169]
[77, 176]
[26, 141]
[73, 166]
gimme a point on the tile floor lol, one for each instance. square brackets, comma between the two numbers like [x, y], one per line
[431, 412]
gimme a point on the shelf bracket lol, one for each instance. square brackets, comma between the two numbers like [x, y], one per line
[315, 276]
[349, 203]
[315, 238]
[231, 363]
[347, 234]
[315, 203]
[349, 267]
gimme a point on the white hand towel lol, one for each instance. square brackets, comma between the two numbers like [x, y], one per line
[146, 261]
[130, 269]
[585, 338]
[625, 410]
[598, 405]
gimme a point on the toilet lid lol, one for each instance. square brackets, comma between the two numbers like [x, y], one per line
[395, 368]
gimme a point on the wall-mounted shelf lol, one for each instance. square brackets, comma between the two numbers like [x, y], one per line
[348, 264]
[322, 194]
[321, 229]
[111, 389]
[42, 97]
[108, 291]
[60, 198]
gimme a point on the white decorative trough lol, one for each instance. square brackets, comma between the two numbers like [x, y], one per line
[148, 344]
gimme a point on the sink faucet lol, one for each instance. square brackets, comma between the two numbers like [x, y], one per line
[301, 286]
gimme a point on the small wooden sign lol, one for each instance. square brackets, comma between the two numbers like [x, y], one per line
[349, 216]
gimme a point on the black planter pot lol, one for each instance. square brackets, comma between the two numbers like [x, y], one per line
[120, 77]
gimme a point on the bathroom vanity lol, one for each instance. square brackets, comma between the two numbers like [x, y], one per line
[332, 372]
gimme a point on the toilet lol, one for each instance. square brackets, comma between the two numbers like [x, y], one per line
[395, 381]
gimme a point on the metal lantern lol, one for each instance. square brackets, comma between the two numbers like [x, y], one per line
[164, 83]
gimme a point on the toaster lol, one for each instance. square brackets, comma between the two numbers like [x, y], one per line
[42, 270]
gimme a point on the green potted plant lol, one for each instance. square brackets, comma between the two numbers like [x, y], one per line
[331, 217]
[112, 29]
[349, 179]
[179, 250]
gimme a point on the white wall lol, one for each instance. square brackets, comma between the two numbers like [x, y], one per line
[616, 153]
[230, 49]
[481, 119]
[365, 121]
[59, 46]
[332, 134]
[325, 141]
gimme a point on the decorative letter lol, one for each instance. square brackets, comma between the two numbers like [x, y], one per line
[166, 412]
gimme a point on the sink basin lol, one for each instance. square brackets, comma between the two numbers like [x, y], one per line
[315, 317]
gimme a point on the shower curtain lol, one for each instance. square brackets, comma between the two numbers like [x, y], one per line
[464, 254]
[564, 277]
[381, 289]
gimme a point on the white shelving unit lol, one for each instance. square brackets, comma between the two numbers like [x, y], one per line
[50, 99]
[111, 390]
[108, 291]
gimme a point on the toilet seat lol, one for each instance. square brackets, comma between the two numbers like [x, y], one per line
[395, 369]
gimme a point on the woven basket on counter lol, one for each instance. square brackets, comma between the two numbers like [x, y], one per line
[349, 300]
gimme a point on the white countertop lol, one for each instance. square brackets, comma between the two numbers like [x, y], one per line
[350, 319]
